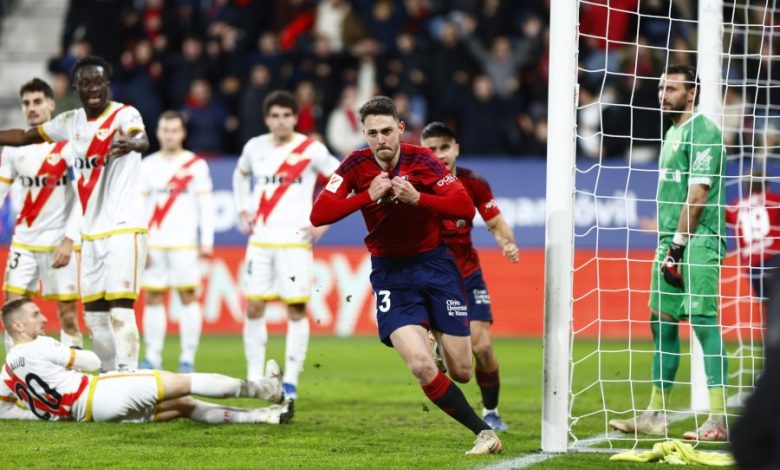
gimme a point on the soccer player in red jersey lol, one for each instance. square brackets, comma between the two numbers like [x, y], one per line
[756, 222]
[441, 140]
[403, 192]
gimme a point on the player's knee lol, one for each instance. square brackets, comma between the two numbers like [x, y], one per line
[423, 368]
[483, 350]
[187, 296]
[154, 298]
[68, 315]
[296, 311]
[460, 372]
[255, 308]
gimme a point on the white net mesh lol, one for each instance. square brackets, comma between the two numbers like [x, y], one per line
[624, 47]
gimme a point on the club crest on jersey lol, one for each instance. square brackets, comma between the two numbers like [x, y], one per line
[460, 223]
[676, 144]
[53, 158]
[102, 133]
[702, 161]
[334, 183]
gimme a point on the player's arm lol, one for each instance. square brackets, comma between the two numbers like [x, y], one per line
[242, 194]
[7, 173]
[205, 201]
[450, 198]
[135, 140]
[20, 137]
[504, 236]
[61, 256]
[82, 360]
[332, 204]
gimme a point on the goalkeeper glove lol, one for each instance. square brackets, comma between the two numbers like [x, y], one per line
[671, 265]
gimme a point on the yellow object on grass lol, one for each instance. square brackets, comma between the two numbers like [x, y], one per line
[676, 453]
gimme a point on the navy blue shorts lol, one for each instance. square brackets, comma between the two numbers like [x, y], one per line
[479, 299]
[425, 289]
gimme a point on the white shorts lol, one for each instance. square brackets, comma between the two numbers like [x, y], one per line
[171, 269]
[111, 267]
[123, 396]
[278, 273]
[26, 269]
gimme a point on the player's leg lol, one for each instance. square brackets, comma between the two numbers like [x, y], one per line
[212, 413]
[185, 278]
[125, 258]
[411, 343]
[294, 267]
[156, 281]
[486, 362]
[666, 308]
[259, 288]
[457, 354]
[702, 306]
[155, 324]
[61, 284]
[21, 279]
[176, 385]
[190, 326]
[96, 309]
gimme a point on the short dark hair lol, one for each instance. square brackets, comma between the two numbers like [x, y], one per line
[281, 98]
[37, 85]
[379, 105]
[173, 114]
[91, 60]
[691, 79]
[438, 129]
[11, 307]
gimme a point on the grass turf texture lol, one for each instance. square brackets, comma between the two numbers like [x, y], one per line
[359, 407]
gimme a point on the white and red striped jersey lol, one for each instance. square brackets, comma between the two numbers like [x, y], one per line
[756, 222]
[108, 188]
[39, 374]
[178, 193]
[49, 208]
[284, 180]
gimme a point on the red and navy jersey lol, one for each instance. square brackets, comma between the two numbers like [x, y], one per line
[457, 233]
[395, 229]
[756, 222]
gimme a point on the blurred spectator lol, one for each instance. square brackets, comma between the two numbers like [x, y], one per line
[329, 22]
[138, 82]
[309, 111]
[480, 135]
[449, 72]
[64, 94]
[208, 120]
[182, 69]
[414, 122]
[251, 115]
[344, 131]
[588, 124]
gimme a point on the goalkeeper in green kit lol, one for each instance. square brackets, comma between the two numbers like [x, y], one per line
[691, 248]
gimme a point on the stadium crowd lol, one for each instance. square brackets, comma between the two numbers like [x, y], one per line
[457, 61]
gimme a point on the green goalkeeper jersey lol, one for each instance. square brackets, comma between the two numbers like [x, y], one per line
[692, 153]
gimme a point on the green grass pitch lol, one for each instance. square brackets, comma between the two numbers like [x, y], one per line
[359, 407]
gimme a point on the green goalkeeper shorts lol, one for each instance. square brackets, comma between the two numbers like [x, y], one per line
[701, 281]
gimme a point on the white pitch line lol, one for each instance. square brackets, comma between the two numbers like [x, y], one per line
[521, 462]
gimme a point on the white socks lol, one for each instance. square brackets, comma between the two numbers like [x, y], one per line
[127, 339]
[295, 349]
[190, 325]
[103, 340]
[155, 323]
[68, 340]
[210, 413]
[215, 385]
[255, 340]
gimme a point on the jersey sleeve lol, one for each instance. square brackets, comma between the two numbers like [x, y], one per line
[483, 198]
[324, 162]
[337, 200]
[7, 168]
[450, 198]
[58, 353]
[56, 130]
[203, 183]
[244, 163]
[205, 198]
[129, 120]
[706, 152]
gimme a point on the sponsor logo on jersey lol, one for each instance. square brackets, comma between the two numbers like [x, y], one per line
[460, 223]
[43, 181]
[667, 174]
[702, 161]
[89, 163]
[481, 296]
[334, 183]
[448, 178]
[676, 144]
[280, 178]
[491, 204]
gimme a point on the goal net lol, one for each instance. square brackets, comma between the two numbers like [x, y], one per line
[623, 46]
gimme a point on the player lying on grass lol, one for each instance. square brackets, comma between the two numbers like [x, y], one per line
[46, 377]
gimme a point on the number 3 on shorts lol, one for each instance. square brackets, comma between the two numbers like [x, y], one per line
[383, 304]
